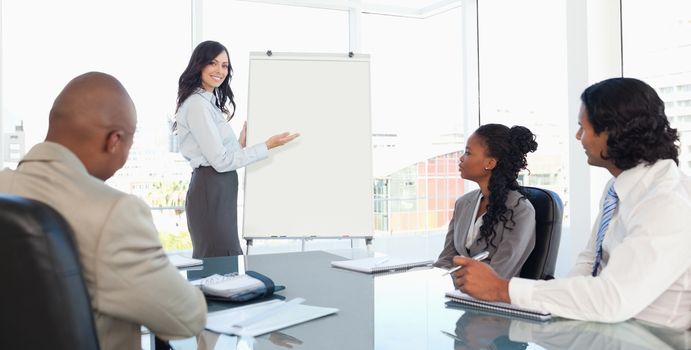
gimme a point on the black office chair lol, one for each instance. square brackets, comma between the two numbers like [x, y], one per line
[549, 210]
[44, 303]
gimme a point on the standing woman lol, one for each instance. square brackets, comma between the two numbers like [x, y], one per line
[498, 217]
[208, 142]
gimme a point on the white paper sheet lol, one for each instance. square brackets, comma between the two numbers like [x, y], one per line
[223, 321]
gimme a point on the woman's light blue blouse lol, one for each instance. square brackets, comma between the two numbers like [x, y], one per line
[206, 138]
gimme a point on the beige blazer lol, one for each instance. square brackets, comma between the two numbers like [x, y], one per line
[128, 276]
[512, 246]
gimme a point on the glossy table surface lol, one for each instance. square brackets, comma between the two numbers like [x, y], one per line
[405, 310]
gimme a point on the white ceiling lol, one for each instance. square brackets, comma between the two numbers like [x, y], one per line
[403, 8]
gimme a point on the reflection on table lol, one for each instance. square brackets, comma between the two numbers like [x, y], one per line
[483, 331]
[405, 311]
[570, 334]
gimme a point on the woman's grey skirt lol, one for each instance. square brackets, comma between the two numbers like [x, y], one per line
[212, 213]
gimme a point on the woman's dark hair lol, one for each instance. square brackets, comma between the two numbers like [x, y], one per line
[191, 79]
[509, 146]
[633, 115]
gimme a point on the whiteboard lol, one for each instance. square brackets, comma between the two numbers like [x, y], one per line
[319, 185]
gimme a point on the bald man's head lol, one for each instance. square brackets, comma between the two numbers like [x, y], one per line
[95, 118]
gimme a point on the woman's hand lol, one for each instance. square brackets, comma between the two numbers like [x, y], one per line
[280, 139]
[243, 136]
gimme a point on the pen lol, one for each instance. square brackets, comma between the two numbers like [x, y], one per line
[478, 257]
[452, 336]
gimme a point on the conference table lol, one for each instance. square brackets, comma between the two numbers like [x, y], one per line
[404, 310]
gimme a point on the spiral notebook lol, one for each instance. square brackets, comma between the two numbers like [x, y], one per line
[380, 264]
[497, 307]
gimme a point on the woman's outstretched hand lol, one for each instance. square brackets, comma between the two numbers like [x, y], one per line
[280, 139]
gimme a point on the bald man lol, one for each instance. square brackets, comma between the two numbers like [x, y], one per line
[128, 276]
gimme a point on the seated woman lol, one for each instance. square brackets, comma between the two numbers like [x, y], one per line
[498, 217]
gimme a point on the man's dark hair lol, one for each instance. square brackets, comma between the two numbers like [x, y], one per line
[633, 115]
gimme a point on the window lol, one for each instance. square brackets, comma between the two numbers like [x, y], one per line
[416, 72]
[667, 89]
[129, 39]
[244, 27]
[523, 76]
[659, 53]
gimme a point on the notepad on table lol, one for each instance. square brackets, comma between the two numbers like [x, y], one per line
[380, 264]
[261, 318]
[182, 261]
[497, 307]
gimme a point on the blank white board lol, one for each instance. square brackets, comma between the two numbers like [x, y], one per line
[319, 185]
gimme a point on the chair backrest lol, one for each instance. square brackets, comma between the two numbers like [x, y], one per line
[548, 215]
[44, 303]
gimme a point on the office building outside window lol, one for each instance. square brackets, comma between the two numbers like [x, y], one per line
[47, 43]
[417, 119]
[659, 53]
[523, 76]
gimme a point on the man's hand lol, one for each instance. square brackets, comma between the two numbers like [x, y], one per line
[479, 280]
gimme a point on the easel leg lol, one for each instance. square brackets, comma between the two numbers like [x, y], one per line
[249, 244]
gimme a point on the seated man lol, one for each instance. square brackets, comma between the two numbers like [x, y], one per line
[637, 262]
[128, 276]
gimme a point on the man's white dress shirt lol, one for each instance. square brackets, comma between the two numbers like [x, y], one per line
[646, 261]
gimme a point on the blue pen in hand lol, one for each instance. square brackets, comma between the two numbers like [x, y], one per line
[478, 257]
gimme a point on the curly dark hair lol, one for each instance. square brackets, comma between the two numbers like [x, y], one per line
[633, 115]
[191, 79]
[509, 146]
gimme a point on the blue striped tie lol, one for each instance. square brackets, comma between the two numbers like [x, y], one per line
[608, 207]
